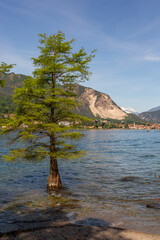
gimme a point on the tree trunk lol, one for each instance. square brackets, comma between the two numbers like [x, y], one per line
[54, 181]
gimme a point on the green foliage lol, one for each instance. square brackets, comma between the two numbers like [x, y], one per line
[48, 98]
[11, 81]
[6, 105]
[4, 68]
[132, 118]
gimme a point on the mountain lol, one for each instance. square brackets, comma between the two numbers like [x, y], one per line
[151, 116]
[11, 80]
[129, 110]
[97, 104]
[133, 118]
[93, 103]
[154, 109]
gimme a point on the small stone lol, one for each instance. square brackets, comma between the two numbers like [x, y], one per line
[41, 204]
[128, 179]
[153, 205]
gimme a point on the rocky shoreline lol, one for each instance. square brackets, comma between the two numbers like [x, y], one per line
[66, 231]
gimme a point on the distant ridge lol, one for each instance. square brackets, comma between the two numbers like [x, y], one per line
[151, 116]
[12, 80]
[154, 109]
[93, 103]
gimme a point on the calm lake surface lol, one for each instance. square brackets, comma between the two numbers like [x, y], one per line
[94, 188]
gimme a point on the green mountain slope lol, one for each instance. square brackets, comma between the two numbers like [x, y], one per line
[93, 103]
[11, 80]
[151, 116]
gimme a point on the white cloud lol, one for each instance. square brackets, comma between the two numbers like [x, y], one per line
[152, 58]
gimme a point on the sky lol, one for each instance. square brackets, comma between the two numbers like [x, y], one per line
[126, 34]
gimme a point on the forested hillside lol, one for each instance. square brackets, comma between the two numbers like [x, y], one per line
[93, 103]
[11, 80]
[151, 116]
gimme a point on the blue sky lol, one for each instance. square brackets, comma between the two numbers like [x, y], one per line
[126, 34]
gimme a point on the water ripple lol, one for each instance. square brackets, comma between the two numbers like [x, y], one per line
[116, 174]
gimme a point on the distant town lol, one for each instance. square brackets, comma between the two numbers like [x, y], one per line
[99, 124]
[110, 125]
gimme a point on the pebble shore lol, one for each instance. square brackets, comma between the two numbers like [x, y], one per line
[74, 232]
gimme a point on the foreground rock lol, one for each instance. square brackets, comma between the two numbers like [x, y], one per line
[126, 179]
[74, 232]
[153, 205]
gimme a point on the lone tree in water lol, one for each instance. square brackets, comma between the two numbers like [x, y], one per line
[4, 68]
[48, 99]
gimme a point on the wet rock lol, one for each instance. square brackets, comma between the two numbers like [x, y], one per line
[153, 205]
[126, 179]
[92, 222]
[157, 176]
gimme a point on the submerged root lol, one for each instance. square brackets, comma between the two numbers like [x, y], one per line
[54, 182]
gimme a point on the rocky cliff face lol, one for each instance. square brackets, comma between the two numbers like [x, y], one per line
[97, 104]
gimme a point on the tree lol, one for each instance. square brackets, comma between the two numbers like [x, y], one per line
[4, 68]
[48, 99]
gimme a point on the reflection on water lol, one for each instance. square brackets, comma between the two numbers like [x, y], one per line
[115, 180]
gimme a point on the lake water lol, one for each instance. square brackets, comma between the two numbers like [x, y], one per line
[95, 191]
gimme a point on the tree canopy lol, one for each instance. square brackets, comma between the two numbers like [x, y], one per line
[45, 103]
[4, 68]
